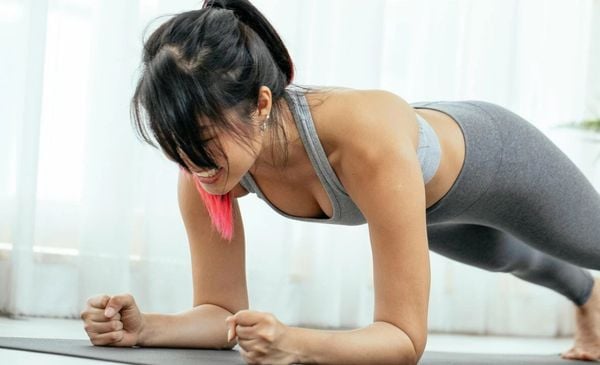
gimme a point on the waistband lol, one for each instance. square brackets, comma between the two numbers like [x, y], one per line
[483, 151]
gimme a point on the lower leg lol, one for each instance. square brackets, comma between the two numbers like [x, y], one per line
[587, 332]
[573, 282]
[494, 250]
[580, 287]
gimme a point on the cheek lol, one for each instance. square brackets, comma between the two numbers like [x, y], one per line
[241, 159]
[240, 156]
[239, 164]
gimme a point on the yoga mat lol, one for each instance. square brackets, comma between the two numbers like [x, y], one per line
[156, 356]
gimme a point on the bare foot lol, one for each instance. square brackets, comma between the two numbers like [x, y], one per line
[587, 333]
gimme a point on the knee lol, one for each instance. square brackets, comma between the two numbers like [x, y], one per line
[504, 264]
[514, 263]
[500, 266]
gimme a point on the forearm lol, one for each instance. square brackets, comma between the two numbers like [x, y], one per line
[200, 327]
[378, 343]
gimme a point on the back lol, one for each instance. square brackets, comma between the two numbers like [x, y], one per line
[218, 266]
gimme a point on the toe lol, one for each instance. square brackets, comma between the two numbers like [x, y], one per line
[588, 356]
[578, 354]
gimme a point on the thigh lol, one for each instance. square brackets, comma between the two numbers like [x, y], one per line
[539, 195]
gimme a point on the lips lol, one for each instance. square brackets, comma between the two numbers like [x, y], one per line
[212, 179]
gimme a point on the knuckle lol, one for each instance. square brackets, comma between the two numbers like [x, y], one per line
[267, 335]
[116, 325]
[87, 327]
[253, 357]
[248, 357]
[115, 336]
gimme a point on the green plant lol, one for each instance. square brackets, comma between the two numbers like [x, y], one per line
[590, 124]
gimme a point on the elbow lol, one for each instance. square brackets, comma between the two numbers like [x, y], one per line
[410, 344]
[413, 349]
[418, 348]
[410, 357]
[407, 353]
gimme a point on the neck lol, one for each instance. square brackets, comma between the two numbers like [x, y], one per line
[273, 146]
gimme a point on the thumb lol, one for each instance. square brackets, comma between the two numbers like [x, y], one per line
[116, 303]
[231, 332]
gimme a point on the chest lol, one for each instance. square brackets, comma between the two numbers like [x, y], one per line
[298, 190]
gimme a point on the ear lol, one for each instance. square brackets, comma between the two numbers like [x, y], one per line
[265, 99]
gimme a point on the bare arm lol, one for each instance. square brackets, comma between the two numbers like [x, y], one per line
[378, 343]
[200, 327]
[218, 269]
[385, 181]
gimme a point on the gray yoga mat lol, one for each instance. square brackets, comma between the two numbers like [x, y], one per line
[155, 356]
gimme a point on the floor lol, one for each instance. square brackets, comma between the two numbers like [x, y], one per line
[62, 328]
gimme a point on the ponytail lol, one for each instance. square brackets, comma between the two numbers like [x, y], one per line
[253, 18]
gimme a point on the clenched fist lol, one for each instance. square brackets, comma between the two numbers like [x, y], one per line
[112, 320]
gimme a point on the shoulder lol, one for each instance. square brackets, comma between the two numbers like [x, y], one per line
[366, 119]
[365, 126]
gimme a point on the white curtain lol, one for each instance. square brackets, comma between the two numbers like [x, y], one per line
[86, 208]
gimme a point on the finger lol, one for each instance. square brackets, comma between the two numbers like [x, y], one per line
[116, 303]
[249, 344]
[231, 333]
[103, 327]
[245, 332]
[98, 301]
[107, 338]
[248, 317]
[97, 315]
[251, 357]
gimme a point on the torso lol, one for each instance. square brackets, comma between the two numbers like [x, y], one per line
[298, 190]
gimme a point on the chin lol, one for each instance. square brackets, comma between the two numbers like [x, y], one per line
[215, 189]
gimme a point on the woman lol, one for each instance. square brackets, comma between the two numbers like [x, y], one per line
[468, 179]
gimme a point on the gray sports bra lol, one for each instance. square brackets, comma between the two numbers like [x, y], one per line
[345, 212]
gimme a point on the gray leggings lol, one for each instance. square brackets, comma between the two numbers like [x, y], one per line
[519, 204]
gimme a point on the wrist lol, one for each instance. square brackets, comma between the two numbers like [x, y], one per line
[142, 338]
[299, 345]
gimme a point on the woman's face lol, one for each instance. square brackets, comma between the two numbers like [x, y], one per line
[241, 159]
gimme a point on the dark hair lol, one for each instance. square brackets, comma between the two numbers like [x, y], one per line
[198, 65]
